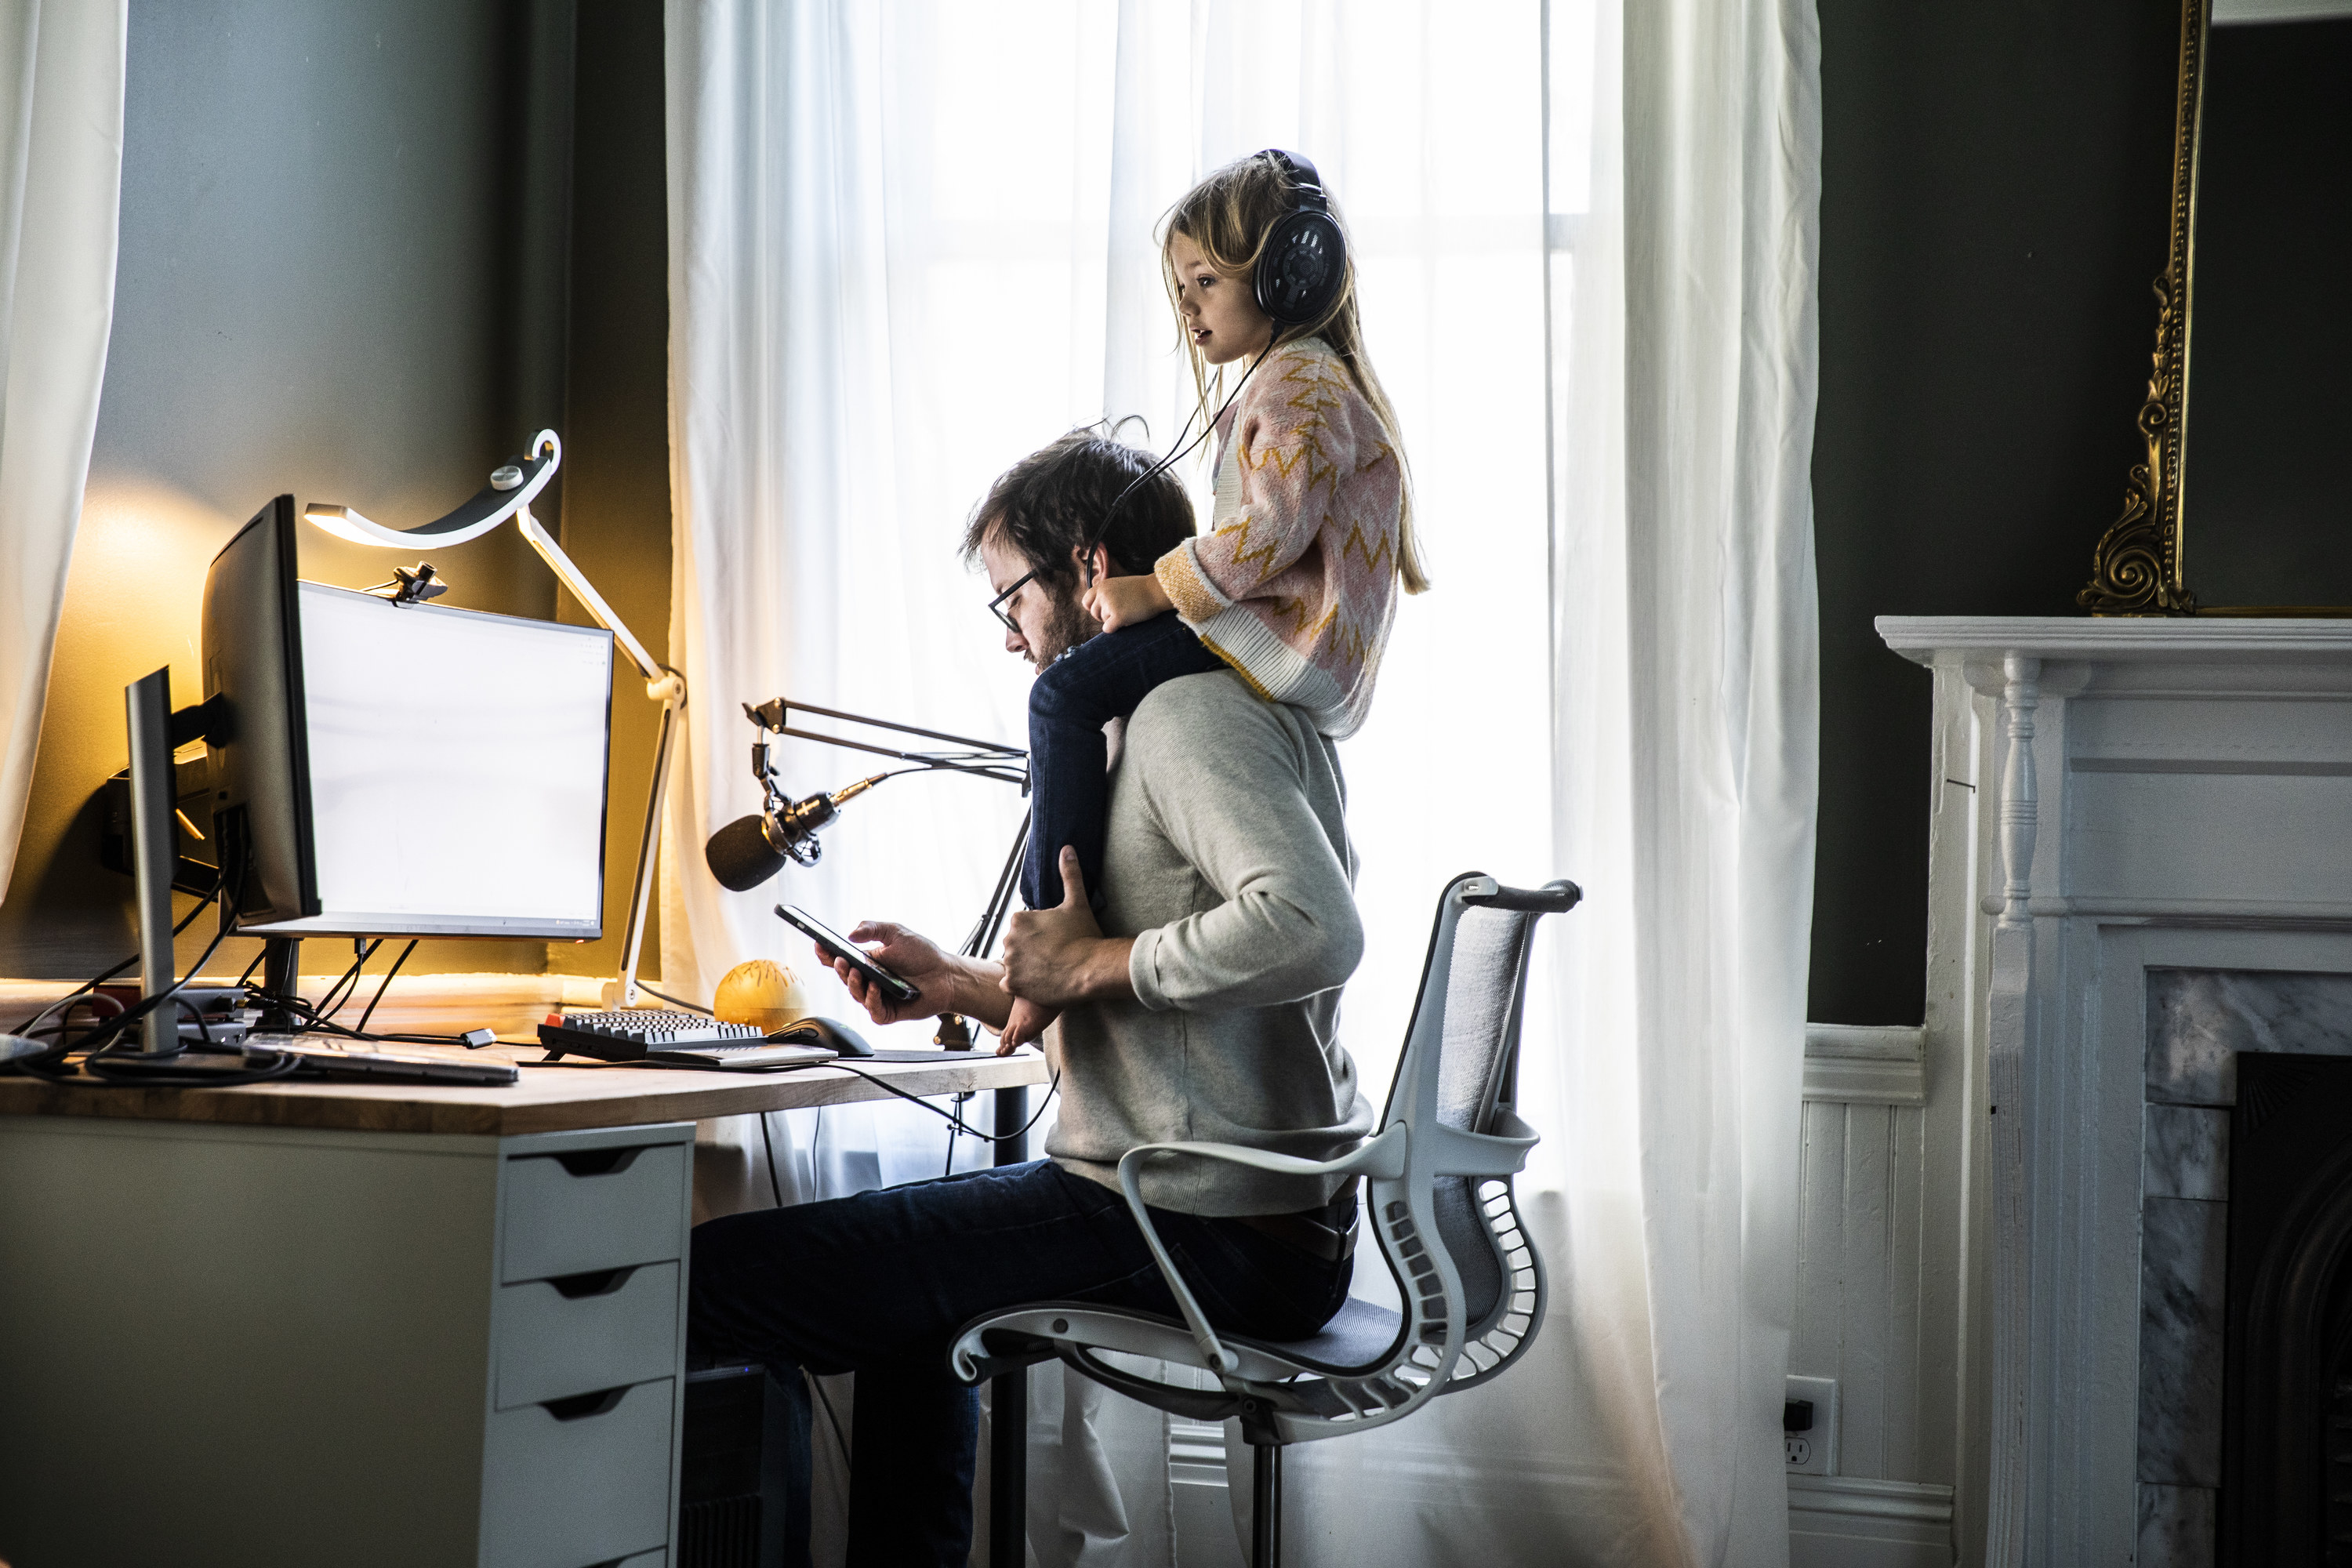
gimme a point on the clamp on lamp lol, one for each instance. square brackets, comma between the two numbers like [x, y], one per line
[508, 495]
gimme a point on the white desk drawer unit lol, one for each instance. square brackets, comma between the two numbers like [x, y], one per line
[579, 1463]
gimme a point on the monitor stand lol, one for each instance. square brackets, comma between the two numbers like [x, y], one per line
[154, 849]
[280, 957]
[154, 856]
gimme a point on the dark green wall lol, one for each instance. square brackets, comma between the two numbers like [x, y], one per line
[617, 408]
[1994, 186]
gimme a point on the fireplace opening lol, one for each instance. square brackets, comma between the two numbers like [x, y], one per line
[2286, 1445]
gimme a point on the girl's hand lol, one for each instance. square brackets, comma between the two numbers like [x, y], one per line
[1118, 601]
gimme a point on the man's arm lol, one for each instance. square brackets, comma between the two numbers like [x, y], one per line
[1228, 787]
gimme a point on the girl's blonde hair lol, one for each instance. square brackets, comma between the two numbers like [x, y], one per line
[1229, 216]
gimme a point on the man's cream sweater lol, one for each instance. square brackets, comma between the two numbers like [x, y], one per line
[1226, 857]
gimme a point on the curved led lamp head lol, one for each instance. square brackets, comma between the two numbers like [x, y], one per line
[512, 484]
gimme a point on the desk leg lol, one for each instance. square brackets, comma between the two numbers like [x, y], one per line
[1008, 1397]
[1011, 1111]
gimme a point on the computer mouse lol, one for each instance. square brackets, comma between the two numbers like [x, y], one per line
[840, 1038]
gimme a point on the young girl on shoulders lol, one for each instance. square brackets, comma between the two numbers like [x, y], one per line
[1294, 587]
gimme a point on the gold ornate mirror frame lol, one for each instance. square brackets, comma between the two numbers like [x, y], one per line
[2136, 568]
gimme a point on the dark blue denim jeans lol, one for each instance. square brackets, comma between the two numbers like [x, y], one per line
[1072, 699]
[880, 1284]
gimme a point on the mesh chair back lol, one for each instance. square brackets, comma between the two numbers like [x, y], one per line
[1477, 1060]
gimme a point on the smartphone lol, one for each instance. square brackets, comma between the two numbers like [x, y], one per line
[840, 946]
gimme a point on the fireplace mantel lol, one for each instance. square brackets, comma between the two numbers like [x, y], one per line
[2112, 796]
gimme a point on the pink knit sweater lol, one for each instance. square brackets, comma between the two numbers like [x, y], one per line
[1294, 585]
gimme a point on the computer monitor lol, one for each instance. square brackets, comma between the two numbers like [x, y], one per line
[399, 770]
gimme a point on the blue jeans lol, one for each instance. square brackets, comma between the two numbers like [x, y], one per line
[880, 1284]
[1072, 699]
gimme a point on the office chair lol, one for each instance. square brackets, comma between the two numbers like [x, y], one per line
[1439, 1167]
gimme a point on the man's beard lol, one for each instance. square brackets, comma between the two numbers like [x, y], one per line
[1066, 627]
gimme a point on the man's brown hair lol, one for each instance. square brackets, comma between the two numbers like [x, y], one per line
[1056, 500]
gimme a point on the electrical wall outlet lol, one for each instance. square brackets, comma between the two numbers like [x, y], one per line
[1814, 1452]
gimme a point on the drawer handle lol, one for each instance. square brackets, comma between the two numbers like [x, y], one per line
[599, 1161]
[595, 1282]
[580, 1406]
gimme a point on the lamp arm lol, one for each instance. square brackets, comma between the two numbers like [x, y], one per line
[659, 678]
[623, 992]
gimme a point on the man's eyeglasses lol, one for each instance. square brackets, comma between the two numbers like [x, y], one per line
[996, 605]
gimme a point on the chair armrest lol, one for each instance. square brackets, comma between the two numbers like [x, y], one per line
[1383, 1156]
[1502, 1152]
[1551, 899]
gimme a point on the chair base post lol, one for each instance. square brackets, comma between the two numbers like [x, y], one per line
[1266, 1505]
[1008, 1469]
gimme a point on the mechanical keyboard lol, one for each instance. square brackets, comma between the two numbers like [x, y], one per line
[662, 1036]
[626, 1034]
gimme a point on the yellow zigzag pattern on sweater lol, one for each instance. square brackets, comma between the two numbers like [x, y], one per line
[1373, 559]
[1264, 554]
[1317, 393]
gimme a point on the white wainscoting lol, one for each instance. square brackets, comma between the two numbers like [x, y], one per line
[1876, 1271]
[1858, 1279]
[1841, 1522]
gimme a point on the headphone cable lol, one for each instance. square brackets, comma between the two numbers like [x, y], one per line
[1102, 529]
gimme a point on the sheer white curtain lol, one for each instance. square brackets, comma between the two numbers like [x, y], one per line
[911, 243]
[61, 173]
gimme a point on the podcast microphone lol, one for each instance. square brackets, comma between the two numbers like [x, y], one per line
[751, 849]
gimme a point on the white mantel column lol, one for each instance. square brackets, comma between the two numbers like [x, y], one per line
[2007, 1015]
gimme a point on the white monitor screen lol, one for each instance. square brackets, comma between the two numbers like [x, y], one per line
[457, 767]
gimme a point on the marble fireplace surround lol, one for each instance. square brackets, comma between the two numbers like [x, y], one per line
[2198, 1021]
[2116, 801]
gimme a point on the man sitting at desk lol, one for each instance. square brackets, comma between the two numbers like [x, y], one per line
[1202, 1006]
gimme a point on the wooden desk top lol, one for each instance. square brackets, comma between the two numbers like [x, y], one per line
[547, 1100]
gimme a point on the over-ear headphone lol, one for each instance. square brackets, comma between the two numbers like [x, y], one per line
[1303, 263]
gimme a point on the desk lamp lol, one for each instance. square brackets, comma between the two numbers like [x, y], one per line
[508, 495]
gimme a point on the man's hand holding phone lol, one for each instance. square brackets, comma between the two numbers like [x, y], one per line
[912, 957]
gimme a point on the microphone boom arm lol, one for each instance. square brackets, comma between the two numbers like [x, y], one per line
[986, 759]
